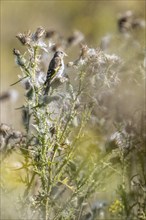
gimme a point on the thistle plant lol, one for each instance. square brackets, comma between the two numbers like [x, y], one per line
[54, 125]
[48, 120]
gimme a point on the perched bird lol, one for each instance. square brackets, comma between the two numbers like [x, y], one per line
[55, 70]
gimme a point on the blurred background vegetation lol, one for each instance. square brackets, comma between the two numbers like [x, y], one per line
[93, 18]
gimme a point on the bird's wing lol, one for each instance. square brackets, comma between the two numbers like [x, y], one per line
[55, 63]
[54, 66]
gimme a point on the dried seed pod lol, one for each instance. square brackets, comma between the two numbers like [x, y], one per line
[16, 52]
[39, 33]
[124, 21]
[50, 33]
[4, 129]
[75, 38]
[25, 39]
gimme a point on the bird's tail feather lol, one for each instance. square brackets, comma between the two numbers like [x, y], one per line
[46, 88]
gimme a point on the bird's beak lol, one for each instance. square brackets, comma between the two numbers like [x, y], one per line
[65, 55]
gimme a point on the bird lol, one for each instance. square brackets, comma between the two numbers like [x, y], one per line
[55, 69]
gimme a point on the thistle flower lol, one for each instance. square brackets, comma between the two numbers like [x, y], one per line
[25, 39]
[50, 34]
[4, 129]
[113, 58]
[124, 21]
[75, 38]
[127, 22]
[84, 51]
[16, 52]
[38, 34]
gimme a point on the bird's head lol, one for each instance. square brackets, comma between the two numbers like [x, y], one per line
[60, 54]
